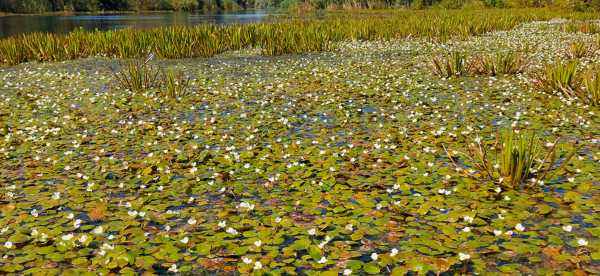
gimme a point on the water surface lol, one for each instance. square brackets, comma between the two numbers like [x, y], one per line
[19, 24]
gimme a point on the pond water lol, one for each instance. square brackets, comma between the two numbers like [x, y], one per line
[19, 24]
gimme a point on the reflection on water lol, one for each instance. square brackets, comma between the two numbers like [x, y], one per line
[18, 24]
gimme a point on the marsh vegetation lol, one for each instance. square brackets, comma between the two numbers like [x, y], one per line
[420, 142]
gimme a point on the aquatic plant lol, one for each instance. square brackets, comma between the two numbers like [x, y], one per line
[174, 84]
[285, 36]
[590, 91]
[578, 50]
[138, 75]
[560, 77]
[502, 63]
[582, 27]
[450, 65]
[517, 158]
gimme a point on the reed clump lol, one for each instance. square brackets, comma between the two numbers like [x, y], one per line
[517, 159]
[503, 63]
[452, 64]
[566, 80]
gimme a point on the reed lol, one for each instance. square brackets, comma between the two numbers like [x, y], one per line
[590, 91]
[506, 63]
[452, 64]
[578, 50]
[138, 75]
[282, 37]
[174, 85]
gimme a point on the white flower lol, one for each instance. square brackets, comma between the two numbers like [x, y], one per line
[70, 216]
[582, 242]
[349, 227]
[519, 227]
[67, 237]
[246, 260]
[312, 231]
[98, 230]
[394, 252]
[222, 224]
[468, 219]
[277, 220]
[192, 221]
[347, 271]
[258, 243]
[193, 170]
[497, 232]
[374, 256]
[132, 213]
[56, 195]
[463, 256]
[8, 245]
[83, 238]
[322, 260]
[173, 268]
[77, 223]
[185, 240]
[466, 229]
[34, 213]
[567, 228]
[257, 265]
[231, 231]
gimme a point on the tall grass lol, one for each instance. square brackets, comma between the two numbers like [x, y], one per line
[283, 37]
[505, 63]
[450, 65]
[560, 77]
[590, 91]
[565, 79]
[138, 75]
[519, 158]
[578, 50]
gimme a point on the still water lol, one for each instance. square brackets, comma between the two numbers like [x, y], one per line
[19, 24]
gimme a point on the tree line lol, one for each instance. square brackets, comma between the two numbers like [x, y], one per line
[39, 6]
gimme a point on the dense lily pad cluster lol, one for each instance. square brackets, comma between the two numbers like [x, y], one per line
[332, 163]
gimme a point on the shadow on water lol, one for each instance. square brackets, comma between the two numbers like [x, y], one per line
[19, 24]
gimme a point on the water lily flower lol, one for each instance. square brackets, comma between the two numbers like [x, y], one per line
[173, 268]
[312, 231]
[258, 243]
[322, 260]
[394, 252]
[497, 232]
[8, 245]
[83, 238]
[519, 227]
[67, 237]
[463, 256]
[222, 224]
[34, 213]
[257, 265]
[374, 256]
[277, 220]
[347, 271]
[582, 242]
[231, 231]
[192, 221]
[98, 230]
[56, 195]
[468, 219]
[185, 240]
[567, 228]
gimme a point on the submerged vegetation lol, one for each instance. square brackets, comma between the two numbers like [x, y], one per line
[350, 156]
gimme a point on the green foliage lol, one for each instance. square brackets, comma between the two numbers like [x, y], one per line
[175, 85]
[590, 93]
[560, 77]
[138, 75]
[517, 155]
[450, 65]
[578, 50]
[503, 63]
[290, 36]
